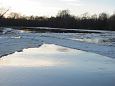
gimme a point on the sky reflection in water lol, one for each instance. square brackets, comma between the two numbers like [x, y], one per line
[52, 65]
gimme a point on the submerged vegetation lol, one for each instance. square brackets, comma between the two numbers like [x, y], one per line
[63, 20]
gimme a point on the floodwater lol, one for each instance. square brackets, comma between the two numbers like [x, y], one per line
[52, 65]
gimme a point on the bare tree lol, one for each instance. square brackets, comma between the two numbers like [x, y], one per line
[14, 15]
[103, 16]
[85, 15]
[3, 12]
[63, 13]
[94, 16]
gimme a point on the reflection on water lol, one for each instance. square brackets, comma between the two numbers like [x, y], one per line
[34, 57]
[52, 65]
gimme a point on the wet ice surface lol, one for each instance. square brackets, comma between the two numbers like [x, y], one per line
[52, 65]
[102, 43]
[103, 38]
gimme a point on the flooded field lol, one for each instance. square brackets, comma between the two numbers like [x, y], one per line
[52, 65]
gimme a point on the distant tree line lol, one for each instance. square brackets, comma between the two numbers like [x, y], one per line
[63, 20]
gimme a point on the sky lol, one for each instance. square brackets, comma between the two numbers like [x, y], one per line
[52, 7]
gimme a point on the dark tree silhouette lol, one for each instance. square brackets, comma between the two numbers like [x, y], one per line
[112, 22]
[3, 12]
[63, 20]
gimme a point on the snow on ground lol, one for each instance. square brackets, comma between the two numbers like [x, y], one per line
[101, 43]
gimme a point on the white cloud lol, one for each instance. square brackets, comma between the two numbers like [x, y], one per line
[51, 7]
[70, 0]
[75, 4]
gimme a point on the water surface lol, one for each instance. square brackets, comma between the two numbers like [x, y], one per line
[52, 65]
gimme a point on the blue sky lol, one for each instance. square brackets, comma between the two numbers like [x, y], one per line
[51, 7]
